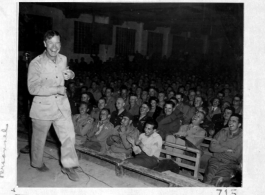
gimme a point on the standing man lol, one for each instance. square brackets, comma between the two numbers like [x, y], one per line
[50, 105]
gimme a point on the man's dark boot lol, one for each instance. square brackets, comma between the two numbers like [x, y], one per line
[72, 175]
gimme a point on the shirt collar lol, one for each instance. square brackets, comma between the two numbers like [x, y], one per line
[58, 57]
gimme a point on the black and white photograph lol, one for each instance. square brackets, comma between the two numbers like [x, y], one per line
[138, 97]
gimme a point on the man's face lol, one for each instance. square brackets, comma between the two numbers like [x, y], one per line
[179, 98]
[124, 94]
[226, 91]
[101, 104]
[153, 103]
[53, 46]
[215, 102]
[225, 105]
[227, 114]
[108, 93]
[161, 97]
[181, 90]
[220, 96]
[170, 94]
[144, 109]
[197, 118]
[149, 130]
[151, 92]
[198, 102]
[83, 90]
[133, 100]
[144, 95]
[192, 95]
[134, 87]
[94, 85]
[168, 109]
[83, 109]
[120, 104]
[236, 101]
[125, 121]
[103, 115]
[84, 98]
[233, 123]
[138, 91]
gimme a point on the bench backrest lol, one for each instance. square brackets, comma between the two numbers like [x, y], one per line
[196, 159]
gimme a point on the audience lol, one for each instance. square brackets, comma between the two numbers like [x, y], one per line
[169, 91]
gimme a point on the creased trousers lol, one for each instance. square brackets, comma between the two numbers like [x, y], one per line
[65, 131]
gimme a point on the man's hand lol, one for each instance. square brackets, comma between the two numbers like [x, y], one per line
[68, 74]
[90, 120]
[122, 129]
[61, 90]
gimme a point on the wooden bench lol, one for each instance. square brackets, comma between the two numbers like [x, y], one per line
[173, 180]
[196, 160]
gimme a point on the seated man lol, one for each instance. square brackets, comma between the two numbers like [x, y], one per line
[227, 151]
[168, 123]
[225, 119]
[190, 135]
[185, 109]
[147, 147]
[139, 120]
[97, 137]
[133, 107]
[110, 100]
[82, 123]
[96, 111]
[119, 145]
[116, 116]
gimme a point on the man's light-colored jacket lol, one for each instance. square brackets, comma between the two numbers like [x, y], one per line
[44, 76]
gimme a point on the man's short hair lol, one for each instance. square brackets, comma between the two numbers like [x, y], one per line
[84, 103]
[240, 119]
[50, 34]
[151, 121]
[106, 109]
[148, 104]
[85, 93]
[221, 92]
[153, 98]
[175, 99]
[102, 98]
[230, 108]
[238, 96]
[111, 89]
[181, 94]
[84, 87]
[162, 92]
[132, 94]
[171, 103]
[215, 98]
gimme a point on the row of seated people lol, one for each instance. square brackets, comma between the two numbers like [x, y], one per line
[120, 134]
